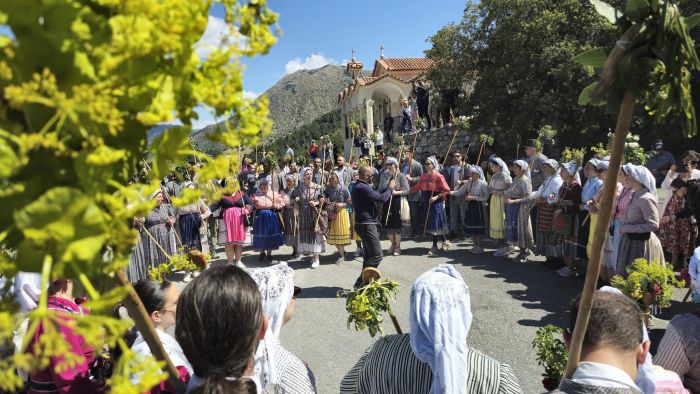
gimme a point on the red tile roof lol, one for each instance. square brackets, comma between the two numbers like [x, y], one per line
[404, 63]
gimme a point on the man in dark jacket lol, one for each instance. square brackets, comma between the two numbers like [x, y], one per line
[423, 101]
[364, 205]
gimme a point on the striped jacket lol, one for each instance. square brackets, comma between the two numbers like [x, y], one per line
[390, 366]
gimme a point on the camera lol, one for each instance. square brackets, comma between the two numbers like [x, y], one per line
[682, 166]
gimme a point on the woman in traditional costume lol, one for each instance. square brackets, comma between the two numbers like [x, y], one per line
[476, 192]
[546, 197]
[500, 181]
[309, 199]
[391, 213]
[267, 234]
[189, 219]
[592, 186]
[565, 220]
[434, 188]
[289, 215]
[337, 200]
[233, 232]
[518, 227]
[159, 243]
[641, 219]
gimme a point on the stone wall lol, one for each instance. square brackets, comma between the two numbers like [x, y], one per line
[437, 142]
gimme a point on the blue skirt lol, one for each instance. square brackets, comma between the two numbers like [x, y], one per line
[475, 222]
[266, 230]
[512, 211]
[437, 222]
[189, 230]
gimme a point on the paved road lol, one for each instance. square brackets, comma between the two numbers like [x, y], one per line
[509, 302]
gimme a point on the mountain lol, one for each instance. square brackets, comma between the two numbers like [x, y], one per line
[303, 96]
[298, 102]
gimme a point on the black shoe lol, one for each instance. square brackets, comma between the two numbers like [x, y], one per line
[269, 257]
[262, 256]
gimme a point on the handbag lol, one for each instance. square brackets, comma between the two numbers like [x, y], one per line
[322, 223]
[563, 224]
[405, 210]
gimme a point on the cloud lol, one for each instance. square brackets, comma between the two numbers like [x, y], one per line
[311, 62]
[247, 94]
[216, 35]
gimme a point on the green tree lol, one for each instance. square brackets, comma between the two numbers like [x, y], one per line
[518, 56]
[81, 82]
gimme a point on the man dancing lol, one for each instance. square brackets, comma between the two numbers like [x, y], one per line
[364, 201]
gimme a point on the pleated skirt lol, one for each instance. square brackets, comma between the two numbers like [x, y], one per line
[475, 223]
[309, 241]
[267, 233]
[437, 223]
[544, 237]
[497, 217]
[525, 239]
[632, 249]
[138, 267]
[189, 230]
[232, 230]
[339, 231]
[512, 218]
[290, 226]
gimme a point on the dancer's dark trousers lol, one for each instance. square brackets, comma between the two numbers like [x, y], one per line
[371, 247]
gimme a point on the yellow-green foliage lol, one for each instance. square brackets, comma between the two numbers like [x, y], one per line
[648, 281]
[367, 303]
[81, 82]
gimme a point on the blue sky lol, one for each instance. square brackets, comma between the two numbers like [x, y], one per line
[320, 32]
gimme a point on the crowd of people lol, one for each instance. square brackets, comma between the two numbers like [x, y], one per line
[228, 320]
[527, 207]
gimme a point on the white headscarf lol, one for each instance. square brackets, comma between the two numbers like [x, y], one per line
[440, 318]
[276, 286]
[602, 164]
[572, 169]
[522, 164]
[552, 163]
[478, 170]
[434, 161]
[645, 376]
[642, 175]
[504, 168]
[391, 160]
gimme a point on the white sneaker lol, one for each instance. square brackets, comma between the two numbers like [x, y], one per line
[477, 250]
[501, 252]
[240, 265]
[315, 264]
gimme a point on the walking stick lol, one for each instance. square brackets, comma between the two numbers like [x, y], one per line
[478, 157]
[430, 204]
[156, 242]
[608, 196]
[449, 148]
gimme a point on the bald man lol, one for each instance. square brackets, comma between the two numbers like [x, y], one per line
[364, 205]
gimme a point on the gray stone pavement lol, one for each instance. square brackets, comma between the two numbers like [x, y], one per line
[509, 302]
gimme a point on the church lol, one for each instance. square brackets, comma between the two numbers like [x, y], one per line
[368, 100]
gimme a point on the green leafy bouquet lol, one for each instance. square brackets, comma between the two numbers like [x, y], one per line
[367, 303]
[648, 284]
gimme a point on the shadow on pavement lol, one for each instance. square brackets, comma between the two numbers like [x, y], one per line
[545, 290]
[319, 292]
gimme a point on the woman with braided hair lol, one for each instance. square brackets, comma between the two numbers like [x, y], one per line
[434, 188]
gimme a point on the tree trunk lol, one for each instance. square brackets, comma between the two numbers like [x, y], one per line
[143, 324]
[624, 119]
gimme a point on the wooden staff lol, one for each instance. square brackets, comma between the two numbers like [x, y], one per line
[352, 146]
[478, 157]
[430, 204]
[449, 148]
[156, 242]
[396, 173]
[608, 196]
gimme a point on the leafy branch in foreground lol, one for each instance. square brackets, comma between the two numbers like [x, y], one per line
[367, 303]
[81, 83]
